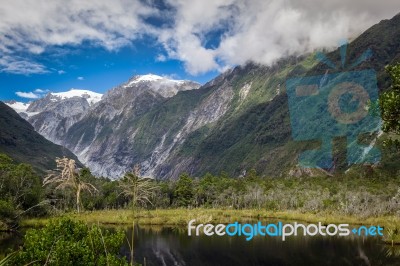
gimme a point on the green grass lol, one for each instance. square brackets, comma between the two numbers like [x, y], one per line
[180, 217]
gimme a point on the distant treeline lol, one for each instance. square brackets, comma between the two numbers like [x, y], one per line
[22, 193]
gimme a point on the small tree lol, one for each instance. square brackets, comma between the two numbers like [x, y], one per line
[184, 190]
[66, 176]
[138, 189]
[19, 183]
[389, 102]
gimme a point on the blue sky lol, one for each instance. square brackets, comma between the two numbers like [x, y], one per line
[48, 46]
[94, 68]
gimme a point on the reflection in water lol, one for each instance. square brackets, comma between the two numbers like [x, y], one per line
[172, 246]
[9, 242]
[167, 246]
[392, 251]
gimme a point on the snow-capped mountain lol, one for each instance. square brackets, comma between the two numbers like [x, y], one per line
[90, 96]
[51, 100]
[21, 108]
[18, 106]
[164, 86]
[55, 113]
[148, 77]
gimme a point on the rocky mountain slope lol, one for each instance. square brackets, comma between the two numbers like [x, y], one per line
[238, 121]
[19, 140]
[54, 114]
[107, 138]
[85, 122]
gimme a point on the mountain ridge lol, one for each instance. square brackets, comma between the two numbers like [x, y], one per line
[19, 140]
[233, 123]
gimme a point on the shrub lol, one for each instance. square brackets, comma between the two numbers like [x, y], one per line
[68, 242]
[8, 215]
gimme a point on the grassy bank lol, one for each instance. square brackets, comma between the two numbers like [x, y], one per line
[180, 217]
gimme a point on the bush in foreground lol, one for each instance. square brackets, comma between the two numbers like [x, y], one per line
[69, 242]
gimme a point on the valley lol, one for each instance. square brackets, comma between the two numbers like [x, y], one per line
[133, 164]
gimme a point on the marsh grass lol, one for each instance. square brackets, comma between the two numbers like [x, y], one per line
[179, 217]
[5, 261]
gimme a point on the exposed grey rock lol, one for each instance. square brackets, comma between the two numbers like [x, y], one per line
[103, 135]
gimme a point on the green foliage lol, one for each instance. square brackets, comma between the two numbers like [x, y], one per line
[20, 190]
[8, 215]
[5, 261]
[390, 106]
[19, 183]
[25, 186]
[252, 175]
[68, 242]
[107, 197]
[6, 209]
[184, 191]
[138, 189]
[363, 191]
[67, 177]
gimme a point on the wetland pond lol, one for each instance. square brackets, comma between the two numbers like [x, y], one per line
[157, 245]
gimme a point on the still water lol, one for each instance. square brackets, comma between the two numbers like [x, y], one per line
[169, 246]
[172, 246]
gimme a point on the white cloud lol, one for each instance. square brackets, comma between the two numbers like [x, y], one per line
[29, 95]
[193, 20]
[36, 94]
[161, 58]
[60, 72]
[258, 30]
[41, 91]
[19, 65]
[111, 24]
[265, 30]
[80, 78]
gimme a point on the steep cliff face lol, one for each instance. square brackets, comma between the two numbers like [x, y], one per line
[248, 125]
[212, 104]
[102, 132]
[135, 124]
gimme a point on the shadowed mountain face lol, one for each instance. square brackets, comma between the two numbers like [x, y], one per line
[238, 121]
[20, 141]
